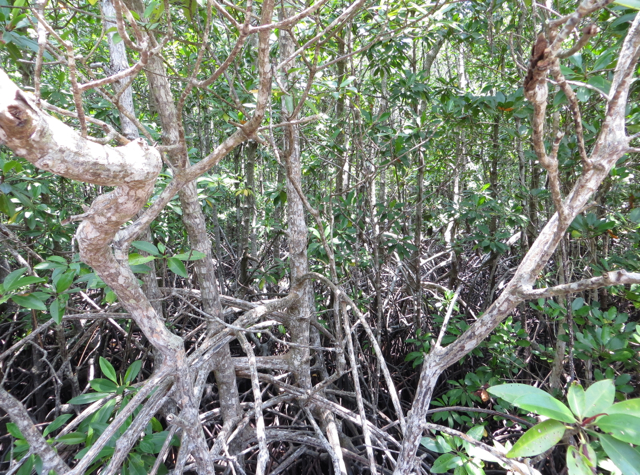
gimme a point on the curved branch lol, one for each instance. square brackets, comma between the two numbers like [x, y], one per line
[619, 277]
[19, 415]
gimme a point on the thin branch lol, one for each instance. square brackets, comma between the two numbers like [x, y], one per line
[42, 43]
[575, 112]
[447, 317]
[355, 6]
[332, 454]
[619, 277]
[19, 415]
[289, 21]
[588, 32]
[263, 454]
[339, 293]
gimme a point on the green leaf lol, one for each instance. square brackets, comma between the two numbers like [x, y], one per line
[14, 431]
[429, 444]
[288, 102]
[23, 282]
[538, 439]
[445, 463]
[56, 424]
[630, 407]
[621, 454]
[577, 463]
[73, 438]
[111, 297]
[472, 467]
[533, 399]
[439, 444]
[88, 398]
[103, 385]
[56, 309]
[29, 301]
[156, 425]
[132, 371]
[137, 259]
[108, 370]
[12, 277]
[634, 4]
[177, 267]
[546, 405]
[576, 400]
[58, 259]
[49, 265]
[599, 397]
[146, 247]
[511, 392]
[621, 426]
[64, 281]
[476, 432]
[6, 205]
[27, 466]
[190, 256]
[152, 444]
[140, 269]
[136, 469]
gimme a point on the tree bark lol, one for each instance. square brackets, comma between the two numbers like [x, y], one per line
[610, 145]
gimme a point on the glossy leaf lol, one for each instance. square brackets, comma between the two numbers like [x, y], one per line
[12, 429]
[146, 247]
[132, 371]
[630, 407]
[138, 259]
[58, 259]
[577, 464]
[88, 398]
[152, 443]
[27, 466]
[23, 282]
[512, 392]
[546, 405]
[446, 462]
[429, 444]
[634, 4]
[73, 438]
[621, 426]
[599, 397]
[56, 309]
[29, 301]
[190, 256]
[576, 399]
[64, 281]
[538, 439]
[12, 277]
[177, 267]
[108, 370]
[56, 424]
[156, 425]
[472, 467]
[621, 454]
[103, 385]
[438, 445]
